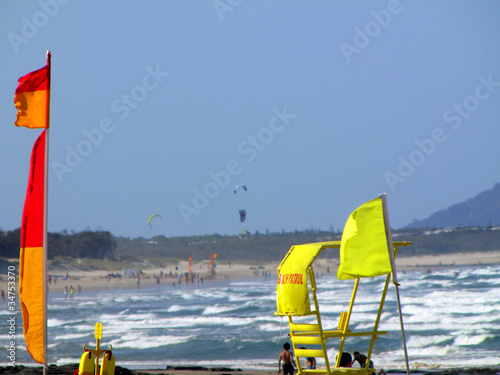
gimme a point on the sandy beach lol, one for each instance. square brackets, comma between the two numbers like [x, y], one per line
[101, 279]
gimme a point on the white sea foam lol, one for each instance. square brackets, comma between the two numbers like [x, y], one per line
[67, 360]
[218, 309]
[55, 322]
[256, 363]
[264, 298]
[130, 317]
[52, 306]
[239, 298]
[424, 341]
[470, 340]
[81, 327]
[269, 327]
[450, 321]
[179, 308]
[140, 341]
[366, 307]
[70, 336]
[326, 308]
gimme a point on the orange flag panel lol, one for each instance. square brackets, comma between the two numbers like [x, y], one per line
[31, 280]
[32, 99]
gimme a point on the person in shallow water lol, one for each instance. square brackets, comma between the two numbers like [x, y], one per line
[287, 358]
[361, 359]
[345, 360]
[310, 362]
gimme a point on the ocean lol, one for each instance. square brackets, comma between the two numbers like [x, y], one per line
[451, 319]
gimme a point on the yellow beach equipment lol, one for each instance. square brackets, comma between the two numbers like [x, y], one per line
[108, 364]
[366, 250]
[89, 362]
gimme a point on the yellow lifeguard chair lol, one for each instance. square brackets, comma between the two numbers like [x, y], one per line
[364, 252]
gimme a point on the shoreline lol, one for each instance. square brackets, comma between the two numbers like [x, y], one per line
[99, 280]
[70, 368]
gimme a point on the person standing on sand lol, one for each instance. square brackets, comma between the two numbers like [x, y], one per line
[287, 358]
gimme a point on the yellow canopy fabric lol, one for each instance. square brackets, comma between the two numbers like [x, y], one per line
[363, 248]
[292, 296]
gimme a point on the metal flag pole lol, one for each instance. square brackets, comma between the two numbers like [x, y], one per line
[402, 330]
[390, 246]
[45, 216]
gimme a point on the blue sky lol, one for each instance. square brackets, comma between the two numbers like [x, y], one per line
[162, 107]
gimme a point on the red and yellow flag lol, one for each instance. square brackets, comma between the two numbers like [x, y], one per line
[32, 99]
[31, 279]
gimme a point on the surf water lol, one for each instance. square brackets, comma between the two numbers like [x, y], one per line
[451, 319]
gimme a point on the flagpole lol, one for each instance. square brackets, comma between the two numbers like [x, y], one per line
[45, 216]
[388, 235]
[390, 246]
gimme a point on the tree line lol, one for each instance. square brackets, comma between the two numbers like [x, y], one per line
[256, 247]
[85, 244]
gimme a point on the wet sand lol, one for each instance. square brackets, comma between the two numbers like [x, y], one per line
[70, 368]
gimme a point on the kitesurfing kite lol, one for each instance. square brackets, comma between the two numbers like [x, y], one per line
[151, 218]
[243, 215]
[240, 186]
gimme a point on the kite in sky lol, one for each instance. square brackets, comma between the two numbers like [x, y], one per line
[243, 215]
[151, 218]
[240, 186]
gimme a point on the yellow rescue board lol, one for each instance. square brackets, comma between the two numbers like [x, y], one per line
[87, 363]
[108, 364]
